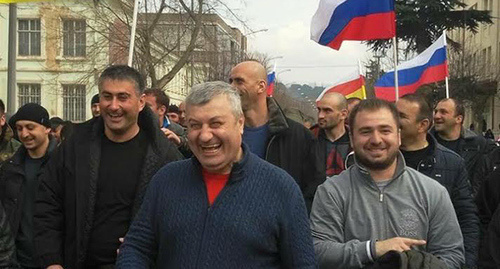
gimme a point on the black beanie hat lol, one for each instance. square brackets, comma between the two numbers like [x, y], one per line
[32, 112]
[95, 100]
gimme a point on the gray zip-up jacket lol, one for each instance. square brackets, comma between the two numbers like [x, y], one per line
[350, 213]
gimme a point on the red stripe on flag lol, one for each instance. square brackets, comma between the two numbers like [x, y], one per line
[430, 75]
[373, 26]
[270, 89]
[348, 87]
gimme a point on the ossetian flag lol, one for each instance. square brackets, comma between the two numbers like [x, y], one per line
[339, 20]
[352, 85]
[428, 67]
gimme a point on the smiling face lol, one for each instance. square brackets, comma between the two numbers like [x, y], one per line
[120, 105]
[214, 134]
[410, 126]
[32, 135]
[375, 138]
[250, 79]
[445, 118]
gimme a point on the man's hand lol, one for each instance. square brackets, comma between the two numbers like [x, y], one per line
[55, 266]
[398, 244]
[171, 136]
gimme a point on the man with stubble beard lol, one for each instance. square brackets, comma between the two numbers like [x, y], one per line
[379, 204]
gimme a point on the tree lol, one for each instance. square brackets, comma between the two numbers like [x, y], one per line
[171, 35]
[421, 22]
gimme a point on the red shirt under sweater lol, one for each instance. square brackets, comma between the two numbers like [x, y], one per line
[214, 183]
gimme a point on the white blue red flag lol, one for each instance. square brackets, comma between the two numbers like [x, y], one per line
[339, 20]
[271, 81]
[428, 67]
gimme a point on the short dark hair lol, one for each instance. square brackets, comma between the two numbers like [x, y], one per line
[123, 72]
[351, 100]
[373, 105]
[2, 107]
[161, 97]
[459, 107]
[55, 122]
[424, 109]
[173, 109]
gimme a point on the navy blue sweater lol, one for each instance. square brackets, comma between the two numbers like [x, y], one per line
[259, 220]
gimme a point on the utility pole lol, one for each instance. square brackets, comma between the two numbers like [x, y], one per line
[11, 60]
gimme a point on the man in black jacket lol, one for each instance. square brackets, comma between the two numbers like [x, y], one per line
[273, 137]
[333, 139]
[423, 153]
[94, 185]
[449, 132]
[19, 178]
[7, 245]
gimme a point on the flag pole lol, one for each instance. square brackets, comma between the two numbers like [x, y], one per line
[447, 74]
[396, 80]
[132, 34]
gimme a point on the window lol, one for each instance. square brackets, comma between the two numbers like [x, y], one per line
[74, 102]
[28, 93]
[74, 38]
[29, 37]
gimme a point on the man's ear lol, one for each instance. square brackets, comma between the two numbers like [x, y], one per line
[162, 110]
[343, 112]
[262, 86]
[424, 125]
[2, 121]
[142, 102]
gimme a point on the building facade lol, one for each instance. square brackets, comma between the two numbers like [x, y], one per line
[54, 66]
[62, 47]
[481, 56]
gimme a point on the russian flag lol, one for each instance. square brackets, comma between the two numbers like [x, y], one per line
[428, 67]
[352, 85]
[339, 20]
[271, 80]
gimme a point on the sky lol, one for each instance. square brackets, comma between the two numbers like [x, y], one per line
[288, 36]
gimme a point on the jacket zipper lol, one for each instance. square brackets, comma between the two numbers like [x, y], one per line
[268, 146]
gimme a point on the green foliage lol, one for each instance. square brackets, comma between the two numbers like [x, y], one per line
[420, 22]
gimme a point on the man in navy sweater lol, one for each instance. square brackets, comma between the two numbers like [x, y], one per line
[223, 208]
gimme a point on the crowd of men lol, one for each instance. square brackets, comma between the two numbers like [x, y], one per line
[226, 180]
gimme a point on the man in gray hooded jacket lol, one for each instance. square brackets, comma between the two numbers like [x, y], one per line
[379, 204]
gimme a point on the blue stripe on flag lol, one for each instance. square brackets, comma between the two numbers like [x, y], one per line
[412, 75]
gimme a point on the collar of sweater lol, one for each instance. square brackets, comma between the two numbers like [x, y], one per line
[400, 168]
[238, 170]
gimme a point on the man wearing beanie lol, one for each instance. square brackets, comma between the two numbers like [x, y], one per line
[8, 145]
[19, 178]
[95, 183]
[94, 106]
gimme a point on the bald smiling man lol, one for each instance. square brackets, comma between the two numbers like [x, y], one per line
[272, 136]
